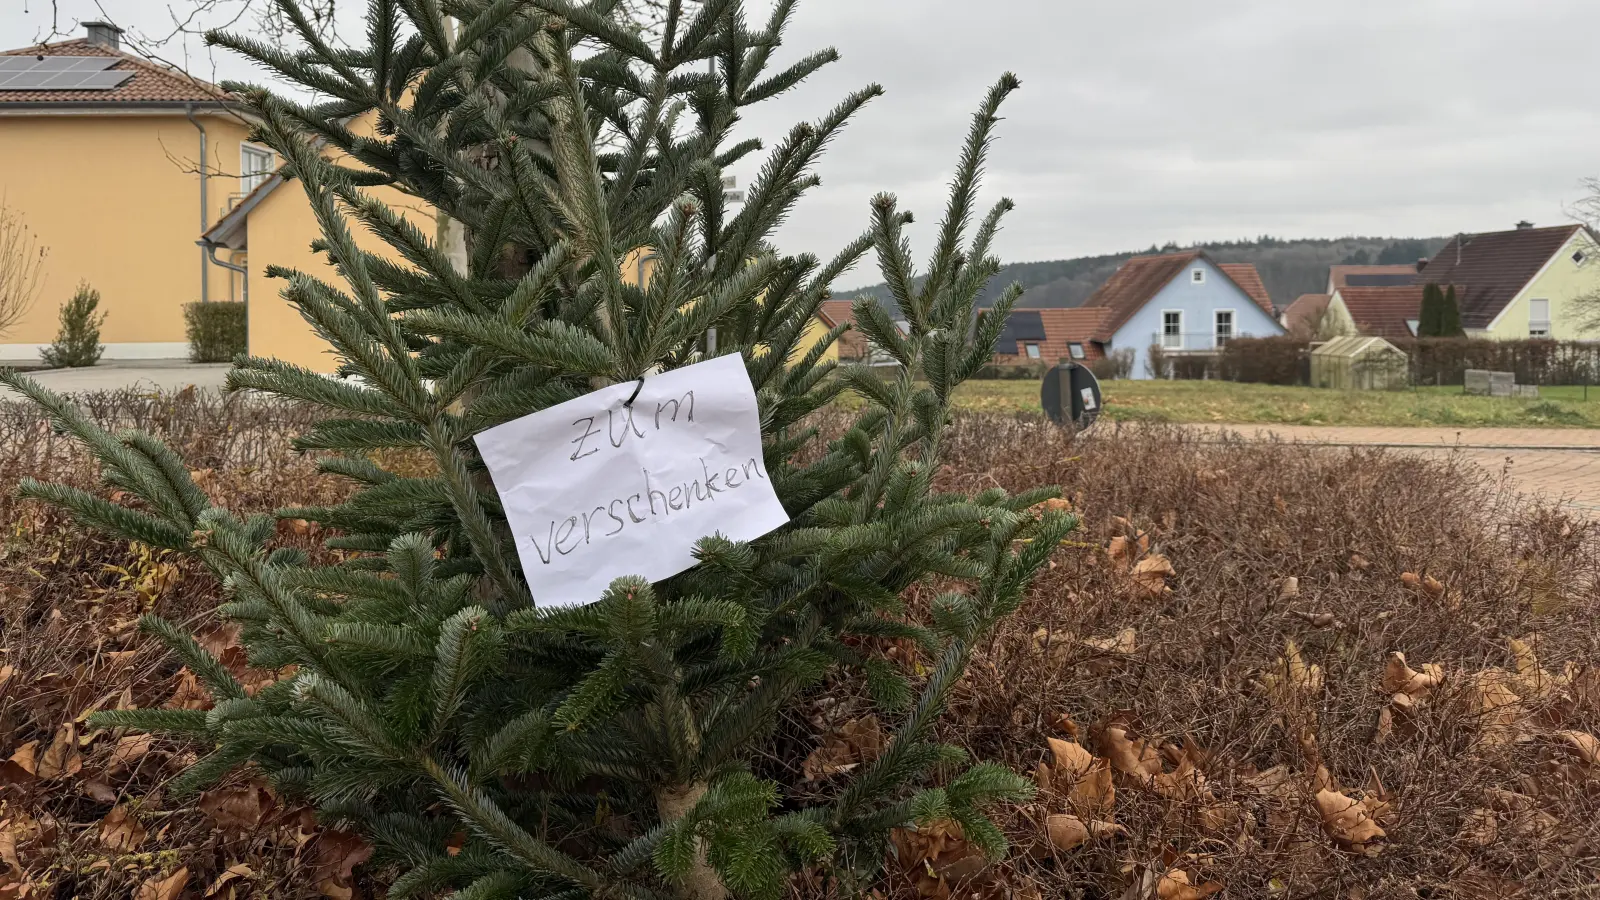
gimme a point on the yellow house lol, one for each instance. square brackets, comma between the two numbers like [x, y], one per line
[117, 165]
[1520, 283]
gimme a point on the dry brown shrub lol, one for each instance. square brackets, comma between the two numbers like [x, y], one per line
[1229, 716]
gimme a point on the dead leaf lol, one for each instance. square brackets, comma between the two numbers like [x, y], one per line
[1359, 562]
[24, 757]
[1175, 885]
[1084, 778]
[1066, 832]
[97, 790]
[1129, 756]
[1399, 678]
[189, 693]
[121, 831]
[61, 758]
[1348, 822]
[1151, 574]
[1586, 745]
[129, 750]
[1290, 588]
[158, 888]
[235, 872]
[857, 741]
[1291, 680]
[238, 809]
[337, 855]
[1479, 829]
[5, 675]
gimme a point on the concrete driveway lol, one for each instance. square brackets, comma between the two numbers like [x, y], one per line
[151, 375]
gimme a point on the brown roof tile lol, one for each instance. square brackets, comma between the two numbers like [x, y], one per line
[1383, 311]
[836, 312]
[1304, 312]
[1249, 281]
[1491, 269]
[150, 83]
[1338, 275]
[1062, 327]
[1142, 277]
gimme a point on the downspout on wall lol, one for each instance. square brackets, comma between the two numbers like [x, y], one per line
[205, 217]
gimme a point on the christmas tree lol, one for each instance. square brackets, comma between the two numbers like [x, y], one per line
[1450, 314]
[495, 746]
[1430, 318]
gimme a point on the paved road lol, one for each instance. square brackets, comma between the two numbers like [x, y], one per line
[151, 375]
[1556, 463]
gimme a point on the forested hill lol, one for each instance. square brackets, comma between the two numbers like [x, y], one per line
[1289, 267]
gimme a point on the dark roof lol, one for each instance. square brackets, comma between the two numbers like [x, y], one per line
[1142, 277]
[1342, 276]
[1383, 311]
[1304, 311]
[151, 84]
[1491, 269]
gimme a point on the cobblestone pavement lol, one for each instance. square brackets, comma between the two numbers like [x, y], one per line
[1560, 464]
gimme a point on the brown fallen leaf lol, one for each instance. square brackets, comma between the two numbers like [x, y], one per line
[238, 809]
[846, 747]
[1400, 678]
[1129, 756]
[97, 790]
[1292, 680]
[1175, 885]
[1290, 588]
[61, 758]
[1084, 778]
[1067, 832]
[1478, 829]
[128, 751]
[337, 855]
[25, 757]
[121, 831]
[1151, 574]
[5, 675]
[1348, 822]
[169, 888]
[1586, 745]
[189, 693]
[235, 872]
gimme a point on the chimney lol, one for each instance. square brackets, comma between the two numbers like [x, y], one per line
[104, 34]
[1524, 225]
[1422, 263]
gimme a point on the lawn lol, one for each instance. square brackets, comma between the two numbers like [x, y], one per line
[1232, 403]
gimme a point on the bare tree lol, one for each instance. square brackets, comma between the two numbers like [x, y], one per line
[21, 267]
[1585, 307]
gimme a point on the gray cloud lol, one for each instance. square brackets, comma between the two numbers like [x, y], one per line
[1142, 121]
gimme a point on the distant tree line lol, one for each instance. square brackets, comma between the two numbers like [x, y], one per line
[1288, 268]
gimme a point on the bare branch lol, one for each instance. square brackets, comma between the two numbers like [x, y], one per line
[21, 267]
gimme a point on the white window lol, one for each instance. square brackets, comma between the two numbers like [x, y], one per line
[1224, 326]
[1033, 351]
[1172, 329]
[1197, 276]
[255, 165]
[1076, 350]
[1538, 318]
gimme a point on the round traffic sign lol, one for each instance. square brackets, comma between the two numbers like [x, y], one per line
[1072, 390]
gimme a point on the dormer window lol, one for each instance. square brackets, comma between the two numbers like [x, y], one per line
[1579, 258]
[1198, 276]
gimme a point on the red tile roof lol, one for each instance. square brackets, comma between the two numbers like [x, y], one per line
[1142, 277]
[150, 83]
[1249, 281]
[1383, 311]
[1304, 312]
[852, 344]
[1062, 327]
[1338, 274]
[1489, 270]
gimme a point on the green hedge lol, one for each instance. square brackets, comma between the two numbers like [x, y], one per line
[216, 331]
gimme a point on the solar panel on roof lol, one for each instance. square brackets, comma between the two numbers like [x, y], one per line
[60, 73]
[1024, 325]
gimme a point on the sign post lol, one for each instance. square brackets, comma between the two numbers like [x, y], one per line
[1070, 395]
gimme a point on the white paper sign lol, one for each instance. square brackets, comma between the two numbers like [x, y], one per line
[595, 490]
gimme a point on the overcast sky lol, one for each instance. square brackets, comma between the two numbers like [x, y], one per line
[1181, 120]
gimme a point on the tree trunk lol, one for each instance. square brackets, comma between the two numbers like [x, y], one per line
[702, 882]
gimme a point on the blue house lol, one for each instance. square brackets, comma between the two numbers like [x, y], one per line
[1185, 303]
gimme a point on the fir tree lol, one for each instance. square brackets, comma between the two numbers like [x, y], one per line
[77, 344]
[1450, 314]
[1429, 318]
[606, 749]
